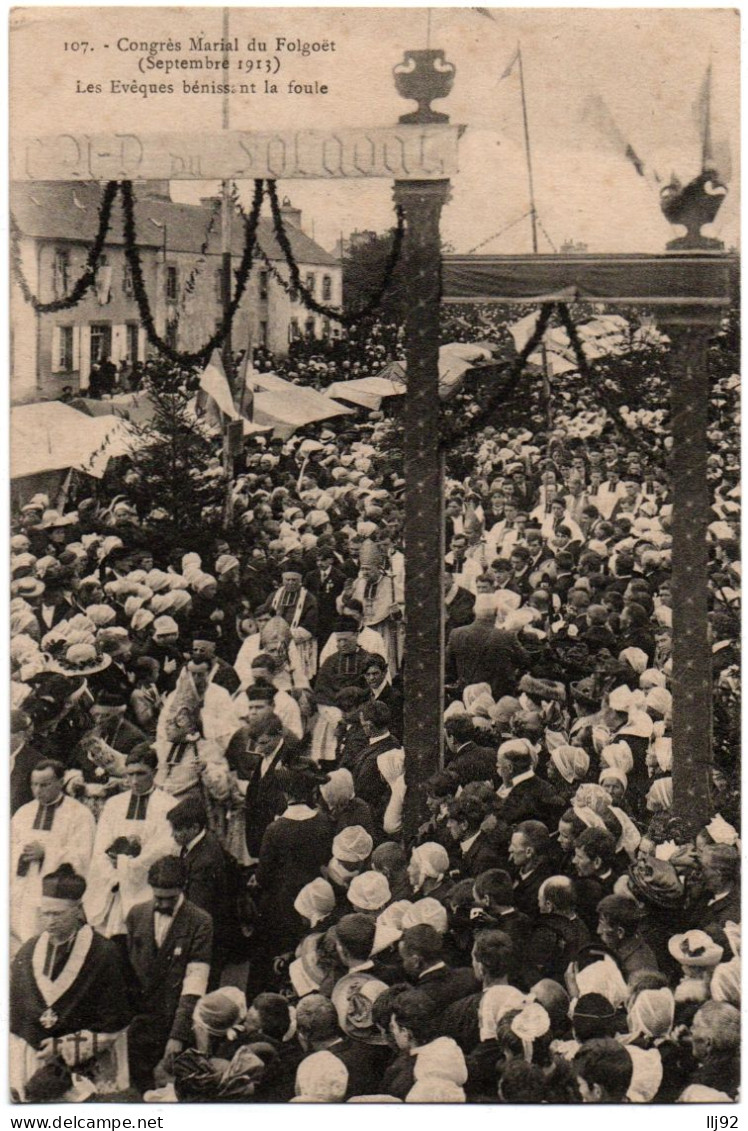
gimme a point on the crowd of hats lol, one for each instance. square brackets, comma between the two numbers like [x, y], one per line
[562, 536]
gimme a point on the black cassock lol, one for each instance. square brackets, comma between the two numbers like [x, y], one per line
[88, 994]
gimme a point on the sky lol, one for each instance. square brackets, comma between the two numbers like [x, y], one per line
[647, 65]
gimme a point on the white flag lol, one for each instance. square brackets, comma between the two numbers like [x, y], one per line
[215, 383]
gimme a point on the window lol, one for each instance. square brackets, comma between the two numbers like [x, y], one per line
[61, 273]
[218, 280]
[309, 282]
[64, 359]
[293, 330]
[263, 285]
[264, 334]
[131, 342]
[171, 332]
[171, 283]
[326, 288]
[325, 327]
[127, 285]
[101, 341]
[309, 327]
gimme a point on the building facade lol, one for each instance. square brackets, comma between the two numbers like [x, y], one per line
[180, 250]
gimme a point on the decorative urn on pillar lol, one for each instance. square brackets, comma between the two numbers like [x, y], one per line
[693, 206]
[423, 76]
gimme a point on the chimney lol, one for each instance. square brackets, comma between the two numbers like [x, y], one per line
[152, 190]
[290, 214]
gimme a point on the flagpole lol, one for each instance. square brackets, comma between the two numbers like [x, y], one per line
[226, 218]
[706, 150]
[534, 229]
[528, 154]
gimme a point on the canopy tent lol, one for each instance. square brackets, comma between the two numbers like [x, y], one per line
[286, 407]
[137, 407]
[602, 336]
[368, 392]
[455, 359]
[51, 436]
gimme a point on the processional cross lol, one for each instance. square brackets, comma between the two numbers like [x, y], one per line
[688, 288]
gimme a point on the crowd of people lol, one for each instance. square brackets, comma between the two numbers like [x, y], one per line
[219, 892]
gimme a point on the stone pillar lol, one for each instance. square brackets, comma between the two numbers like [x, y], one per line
[424, 492]
[689, 330]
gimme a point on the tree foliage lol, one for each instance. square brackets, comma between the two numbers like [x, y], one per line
[176, 461]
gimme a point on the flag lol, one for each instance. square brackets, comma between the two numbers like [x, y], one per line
[595, 112]
[246, 385]
[510, 66]
[715, 148]
[214, 382]
[485, 12]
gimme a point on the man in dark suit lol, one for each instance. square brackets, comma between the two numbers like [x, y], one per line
[494, 910]
[721, 864]
[494, 961]
[593, 862]
[459, 603]
[325, 583]
[169, 942]
[557, 936]
[377, 679]
[294, 848]
[256, 753]
[478, 850]
[482, 653]
[524, 796]
[25, 752]
[529, 850]
[370, 785]
[420, 950]
[465, 757]
[202, 856]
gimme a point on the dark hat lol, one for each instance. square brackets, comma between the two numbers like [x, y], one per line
[547, 689]
[168, 872]
[346, 624]
[64, 883]
[111, 697]
[656, 881]
[593, 1006]
[258, 693]
[205, 630]
[191, 811]
[356, 932]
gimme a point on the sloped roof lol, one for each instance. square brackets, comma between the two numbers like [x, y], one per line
[61, 210]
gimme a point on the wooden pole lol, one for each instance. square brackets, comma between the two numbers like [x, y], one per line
[227, 211]
[689, 332]
[424, 494]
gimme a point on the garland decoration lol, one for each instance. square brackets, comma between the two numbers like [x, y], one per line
[296, 284]
[189, 286]
[241, 276]
[87, 278]
[453, 434]
[576, 342]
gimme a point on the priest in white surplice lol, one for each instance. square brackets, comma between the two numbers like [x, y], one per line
[50, 830]
[132, 834]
